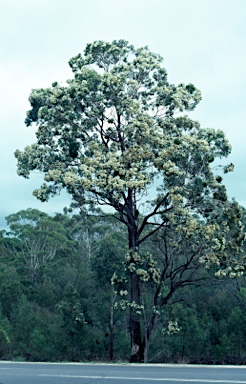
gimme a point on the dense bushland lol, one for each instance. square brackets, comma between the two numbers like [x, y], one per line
[57, 302]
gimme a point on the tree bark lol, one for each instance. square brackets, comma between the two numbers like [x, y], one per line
[111, 327]
[135, 327]
[137, 351]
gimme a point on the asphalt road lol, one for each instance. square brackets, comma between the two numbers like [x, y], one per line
[39, 373]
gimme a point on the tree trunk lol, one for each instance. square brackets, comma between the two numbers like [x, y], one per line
[139, 339]
[135, 327]
[148, 334]
[146, 347]
[111, 327]
[137, 351]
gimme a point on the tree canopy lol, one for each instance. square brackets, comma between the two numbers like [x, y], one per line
[118, 135]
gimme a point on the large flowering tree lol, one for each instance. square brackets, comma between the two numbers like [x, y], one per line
[115, 135]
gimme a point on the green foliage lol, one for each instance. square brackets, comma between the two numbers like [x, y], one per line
[10, 288]
[108, 257]
[5, 341]
[36, 332]
[67, 315]
[115, 129]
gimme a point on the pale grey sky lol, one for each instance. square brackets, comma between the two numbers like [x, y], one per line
[202, 42]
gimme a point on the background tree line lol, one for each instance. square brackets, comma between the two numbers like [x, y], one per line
[57, 300]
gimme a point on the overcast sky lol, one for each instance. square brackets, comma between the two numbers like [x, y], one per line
[202, 42]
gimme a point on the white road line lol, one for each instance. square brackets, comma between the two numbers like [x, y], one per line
[179, 380]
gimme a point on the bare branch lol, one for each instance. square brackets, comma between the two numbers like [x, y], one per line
[153, 213]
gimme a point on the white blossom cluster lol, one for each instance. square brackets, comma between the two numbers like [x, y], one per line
[144, 266]
[124, 304]
[172, 328]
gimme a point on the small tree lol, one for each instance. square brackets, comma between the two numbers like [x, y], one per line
[115, 136]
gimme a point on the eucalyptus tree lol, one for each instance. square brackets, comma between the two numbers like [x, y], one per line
[37, 239]
[116, 136]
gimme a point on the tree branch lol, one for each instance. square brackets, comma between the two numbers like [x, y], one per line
[153, 213]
